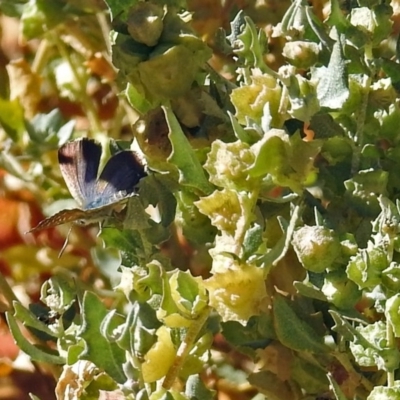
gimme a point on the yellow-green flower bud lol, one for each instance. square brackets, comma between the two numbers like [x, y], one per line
[340, 290]
[145, 23]
[301, 54]
[316, 247]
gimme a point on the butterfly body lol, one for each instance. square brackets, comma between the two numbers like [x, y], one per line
[97, 196]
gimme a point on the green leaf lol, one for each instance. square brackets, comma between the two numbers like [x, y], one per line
[391, 276]
[139, 332]
[105, 355]
[288, 160]
[332, 89]
[116, 7]
[29, 319]
[251, 45]
[36, 354]
[388, 221]
[383, 14]
[196, 389]
[133, 245]
[110, 325]
[271, 386]
[384, 392]
[365, 268]
[257, 334]
[253, 240]
[13, 8]
[12, 118]
[371, 347]
[339, 395]
[392, 307]
[108, 262]
[58, 294]
[136, 216]
[191, 173]
[282, 246]
[303, 98]
[309, 290]
[318, 27]
[196, 227]
[336, 17]
[244, 135]
[271, 155]
[187, 287]
[343, 327]
[311, 376]
[364, 188]
[292, 331]
[137, 100]
[158, 191]
[188, 293]
[101, 386]
[169, 72]
[40, 16]
[294, 21]
[341, 291]
[50, 128]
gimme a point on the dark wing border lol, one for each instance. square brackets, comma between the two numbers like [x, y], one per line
[121, 174]
[79, 163]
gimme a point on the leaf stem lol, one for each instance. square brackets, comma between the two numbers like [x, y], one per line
[185, 348]
[41, 56]
[343, 359]
[7, 292]
[360, 119]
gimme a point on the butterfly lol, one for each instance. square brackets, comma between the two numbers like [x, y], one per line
[97, 196]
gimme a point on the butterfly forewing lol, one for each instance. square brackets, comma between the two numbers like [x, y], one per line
[79, 163]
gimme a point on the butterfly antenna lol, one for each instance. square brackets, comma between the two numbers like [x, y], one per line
[65, 243]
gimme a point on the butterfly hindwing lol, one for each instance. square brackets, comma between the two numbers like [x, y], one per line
[119, 177]
[79, 163]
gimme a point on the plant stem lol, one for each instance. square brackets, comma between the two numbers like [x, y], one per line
[343, 359]
[360, 119]
[185, 348]
[41, 56]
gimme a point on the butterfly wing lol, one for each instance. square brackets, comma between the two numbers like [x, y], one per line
[60, 218]
[118, 179]
[79, 163]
